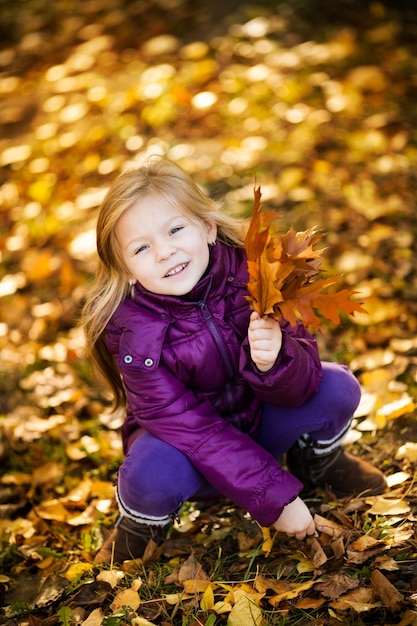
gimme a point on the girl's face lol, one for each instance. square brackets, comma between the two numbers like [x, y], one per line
[163, 249]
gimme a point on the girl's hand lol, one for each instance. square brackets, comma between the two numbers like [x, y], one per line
[295, 520]
[265, 340]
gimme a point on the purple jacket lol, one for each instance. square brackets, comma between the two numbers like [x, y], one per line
[190, 381]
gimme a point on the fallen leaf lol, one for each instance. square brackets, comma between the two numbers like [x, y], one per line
[127, 597]
[76, 569]
[386, 506]
[191, 569]
[407, 451]
[396, 409]
[365, 542]
[267, 541]
[222, 607]
[361, 600]
[318, 556]
[296, 590]
[391, 598]
[95, 618]
[309, 604]
[195, 585]
[112, 577]
[393, 480]
[245, 611]
[327, 527]
[336, 585]
[207, 599]
[141, 621]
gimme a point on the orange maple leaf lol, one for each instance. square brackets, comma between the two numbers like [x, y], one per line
[283, 271]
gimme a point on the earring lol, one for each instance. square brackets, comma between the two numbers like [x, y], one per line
[213, 243]
[132, 288]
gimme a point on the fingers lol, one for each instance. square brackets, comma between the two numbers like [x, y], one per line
[311, 530]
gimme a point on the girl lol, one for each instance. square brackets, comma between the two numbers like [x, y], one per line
[214, 393]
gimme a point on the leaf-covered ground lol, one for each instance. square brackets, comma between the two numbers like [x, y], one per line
[317, 101]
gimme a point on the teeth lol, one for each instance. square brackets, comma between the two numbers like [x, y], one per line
[176, 270]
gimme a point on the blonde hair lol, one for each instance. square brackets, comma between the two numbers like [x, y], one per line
[163, 179]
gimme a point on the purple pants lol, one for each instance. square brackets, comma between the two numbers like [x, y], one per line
[155, 478]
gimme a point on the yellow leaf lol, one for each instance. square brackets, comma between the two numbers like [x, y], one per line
[52, 510]
[79, 493]
[291, 593]
[267, 542]
[222, 607]
[127, 597]
[207, 599]
[76, 569]
[245, 612]
[396, 409]
[304, 566]
[195, 585]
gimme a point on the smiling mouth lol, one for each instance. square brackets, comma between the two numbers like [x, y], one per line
[176, 270]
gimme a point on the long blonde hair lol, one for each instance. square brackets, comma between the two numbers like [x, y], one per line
[161, 178]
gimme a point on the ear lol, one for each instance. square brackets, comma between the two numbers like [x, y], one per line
[211, 228]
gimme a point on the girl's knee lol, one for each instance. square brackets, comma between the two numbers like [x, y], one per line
[155, 478]
[342, 386]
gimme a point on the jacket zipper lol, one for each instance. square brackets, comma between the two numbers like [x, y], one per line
[218, 340]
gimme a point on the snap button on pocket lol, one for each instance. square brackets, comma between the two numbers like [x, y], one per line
[148, 362]
[128, 358]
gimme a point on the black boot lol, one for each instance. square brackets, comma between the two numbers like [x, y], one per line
[131, 541]
[344, 474]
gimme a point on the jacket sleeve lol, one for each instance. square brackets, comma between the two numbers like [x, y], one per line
[296, 374]
[230, 460]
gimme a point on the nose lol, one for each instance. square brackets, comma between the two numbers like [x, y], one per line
[164, 249]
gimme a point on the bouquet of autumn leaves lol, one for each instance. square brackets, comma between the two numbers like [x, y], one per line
[283, 270]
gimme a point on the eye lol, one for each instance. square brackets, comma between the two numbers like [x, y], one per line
[140, 249]
[175, 230]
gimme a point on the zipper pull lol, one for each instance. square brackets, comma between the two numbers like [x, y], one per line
[205, 310]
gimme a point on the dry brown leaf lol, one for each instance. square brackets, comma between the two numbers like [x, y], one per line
[263, 583]
[391, 598]
[191, 569]
[328, 527]
[281, 271]
[361, 600]
[360, 556]
[336, 585]
[318, 556]
[365, 542]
